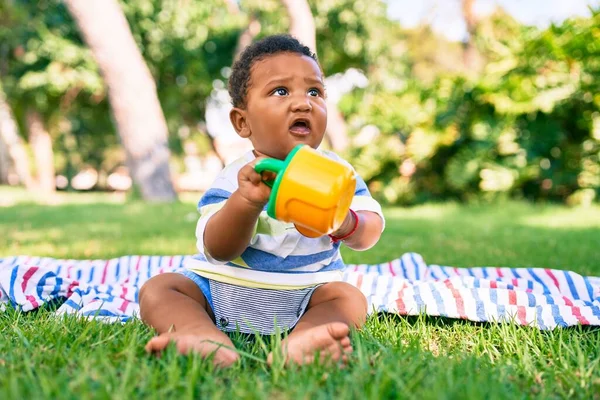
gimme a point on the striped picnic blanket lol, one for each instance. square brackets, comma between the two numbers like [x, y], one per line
[108, 289]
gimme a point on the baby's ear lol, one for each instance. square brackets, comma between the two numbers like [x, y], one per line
[237, 116]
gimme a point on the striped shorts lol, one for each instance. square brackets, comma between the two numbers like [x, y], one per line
[252, 310]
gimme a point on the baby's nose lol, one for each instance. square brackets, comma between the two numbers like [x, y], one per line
[301, 104]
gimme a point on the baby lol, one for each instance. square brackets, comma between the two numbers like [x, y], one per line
[254, 274]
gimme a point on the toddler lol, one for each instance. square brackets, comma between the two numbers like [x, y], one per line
[253, 273]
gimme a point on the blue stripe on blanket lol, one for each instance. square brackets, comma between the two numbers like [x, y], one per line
[13, 280]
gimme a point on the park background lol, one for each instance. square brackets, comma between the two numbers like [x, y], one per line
[465, 100]
[475, 122]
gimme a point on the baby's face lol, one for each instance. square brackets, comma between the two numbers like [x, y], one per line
[285, 104]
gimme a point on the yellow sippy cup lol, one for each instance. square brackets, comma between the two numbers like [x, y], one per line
[311, 191]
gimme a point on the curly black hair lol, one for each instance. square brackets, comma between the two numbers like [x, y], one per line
[270, 45]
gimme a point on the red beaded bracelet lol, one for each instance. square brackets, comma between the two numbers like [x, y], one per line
[335, 239]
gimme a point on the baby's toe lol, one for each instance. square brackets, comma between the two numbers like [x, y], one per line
[345, 342]
[157, 344]
[338, 330]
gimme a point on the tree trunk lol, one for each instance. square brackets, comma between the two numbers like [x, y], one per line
[469, 49]
[132, 93]
[232, 7]
[9, 136]
[337, 131]
[41, 145]
[302, 23]
[302, 27]
[249, 33]
[5, 163]
[247, 36]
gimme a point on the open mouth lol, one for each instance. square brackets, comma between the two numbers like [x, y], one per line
[300, 127]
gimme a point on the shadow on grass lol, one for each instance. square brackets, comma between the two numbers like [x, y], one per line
[456, 323]
[98, 230]
[510, 234]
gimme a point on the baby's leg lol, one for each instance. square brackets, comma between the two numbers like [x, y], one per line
[324, 328]
[175, 306]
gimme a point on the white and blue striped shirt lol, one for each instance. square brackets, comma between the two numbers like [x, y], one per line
[278, 256]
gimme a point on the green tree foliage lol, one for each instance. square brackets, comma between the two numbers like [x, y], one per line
[46, 67]
[45, 57]
[527, 125]
[349, 32]
[185, 43]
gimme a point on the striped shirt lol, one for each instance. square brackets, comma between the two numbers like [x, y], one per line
[278, 256]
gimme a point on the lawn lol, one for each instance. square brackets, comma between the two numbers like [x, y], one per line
[42, 356]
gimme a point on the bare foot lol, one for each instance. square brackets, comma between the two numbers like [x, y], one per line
[330, 341]
[190, 342]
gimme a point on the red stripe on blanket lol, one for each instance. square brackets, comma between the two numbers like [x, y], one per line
[576, 312]
[124, 306]
[359, 281]
[26, 276]
[551, 275]
[137, 268]
[104, 271]
[391, 269]
[522, 315]
[69, 267]
[493, 285]
[499, 272]
[399, 302]
[512, 297]
[32, 300]
[460, 303]
[70, 288]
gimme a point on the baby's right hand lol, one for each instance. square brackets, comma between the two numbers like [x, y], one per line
[251, 185]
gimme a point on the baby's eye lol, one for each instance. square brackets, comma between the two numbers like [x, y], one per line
[280, 92]
[314, 92]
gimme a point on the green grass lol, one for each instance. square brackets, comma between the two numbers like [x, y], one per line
[43, 356]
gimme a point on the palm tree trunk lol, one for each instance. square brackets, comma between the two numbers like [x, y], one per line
[41, 145]
[302, 23]
[469, 49]
[302, 27]
[12, 143]
[5, 163]
[247, 36]
[132, 93]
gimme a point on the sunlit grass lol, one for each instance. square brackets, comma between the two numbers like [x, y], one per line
[395, 357]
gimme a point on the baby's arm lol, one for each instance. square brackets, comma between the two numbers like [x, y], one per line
[367, 233]
[229, 230]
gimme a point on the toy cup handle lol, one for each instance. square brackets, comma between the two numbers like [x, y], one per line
[271, 165]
